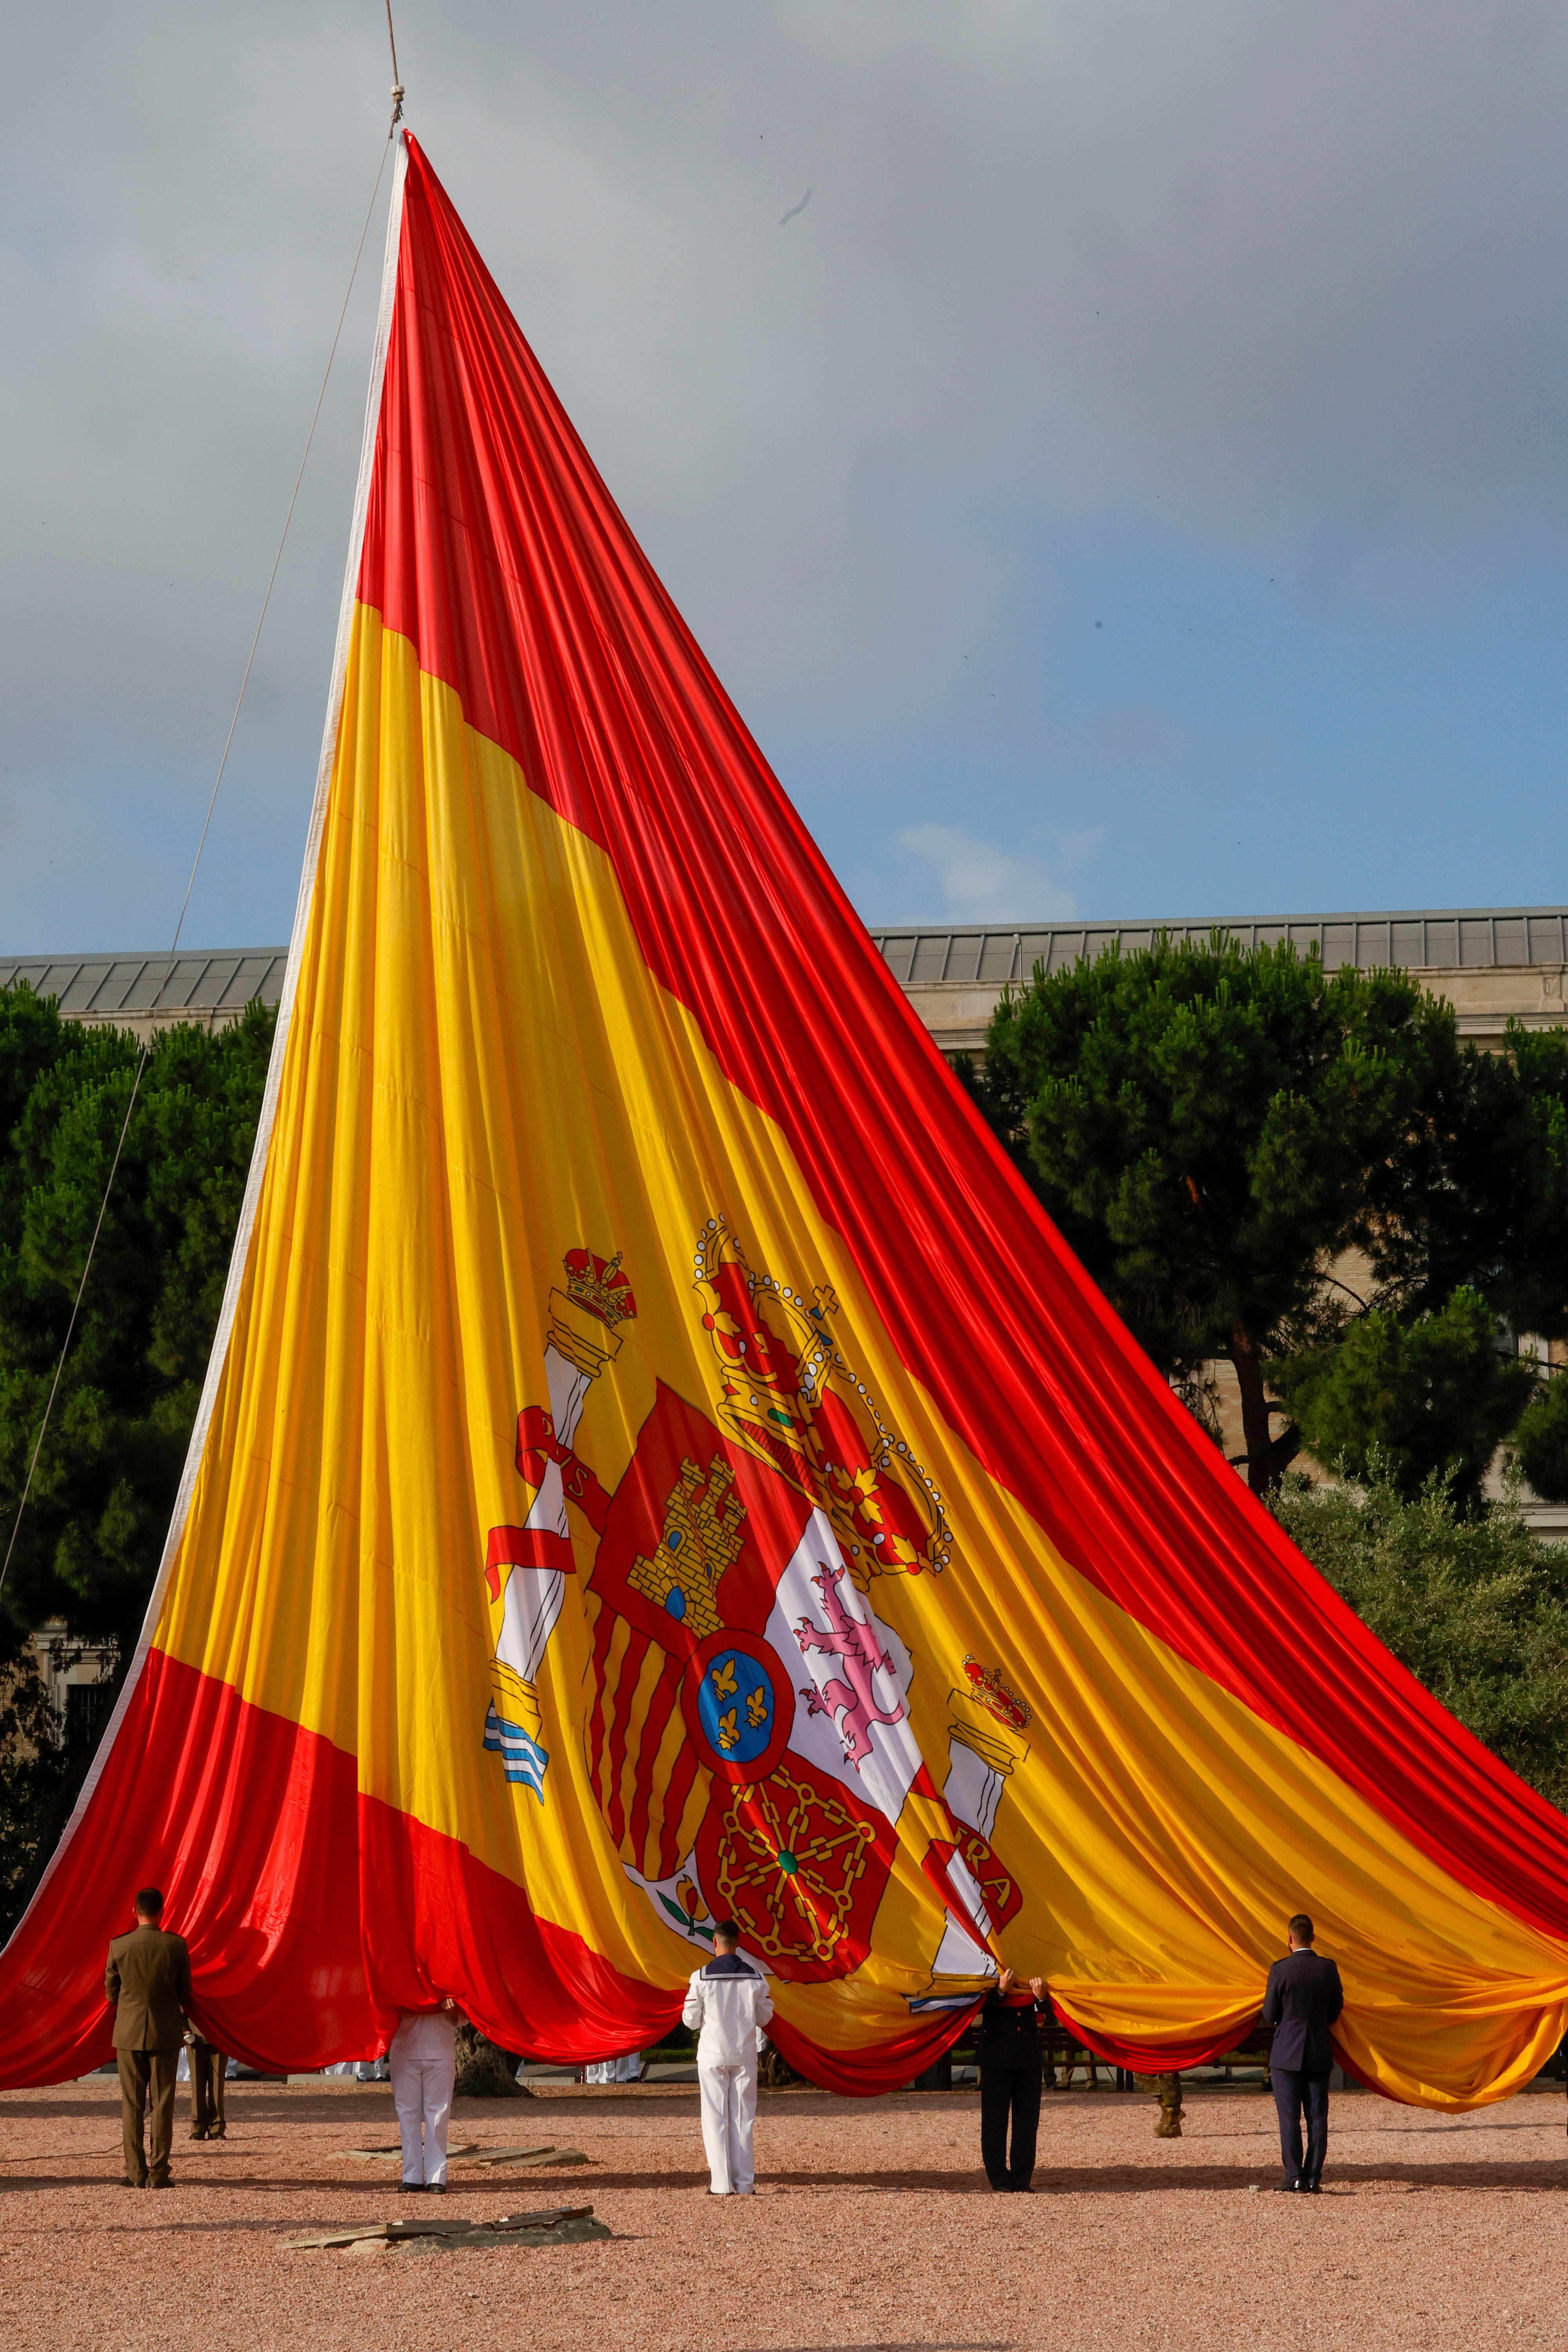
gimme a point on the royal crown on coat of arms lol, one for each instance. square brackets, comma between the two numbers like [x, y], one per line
[599, 1285]
[987, 1687]
[790, 1397]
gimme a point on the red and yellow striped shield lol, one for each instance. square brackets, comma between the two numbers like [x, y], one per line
[658, 1461]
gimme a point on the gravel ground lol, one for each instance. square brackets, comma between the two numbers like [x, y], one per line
[872, 2228]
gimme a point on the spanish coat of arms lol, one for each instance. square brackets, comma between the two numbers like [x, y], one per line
[747, 1720]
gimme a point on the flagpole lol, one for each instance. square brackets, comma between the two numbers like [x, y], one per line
[396, 77]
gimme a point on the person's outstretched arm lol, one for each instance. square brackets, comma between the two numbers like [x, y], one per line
[1273, 1997]
[111, 1981]
[691, 2013]
[1336, 1993]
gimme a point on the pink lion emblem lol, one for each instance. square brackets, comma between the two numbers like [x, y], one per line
[845, 1637]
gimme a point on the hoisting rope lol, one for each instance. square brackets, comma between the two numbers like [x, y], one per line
[185, 904]
[396, 77]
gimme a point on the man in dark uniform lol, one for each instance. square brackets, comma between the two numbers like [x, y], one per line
[208, 2066]
[1011, 2068]
[1303, 1999]
[148, 1982]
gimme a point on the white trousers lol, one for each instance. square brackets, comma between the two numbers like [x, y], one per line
[615, 2070]
[729, 2095]
[423, 2056]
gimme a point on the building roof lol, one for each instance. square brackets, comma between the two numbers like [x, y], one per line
[207, 985]
[203, 984]
[1446, 939]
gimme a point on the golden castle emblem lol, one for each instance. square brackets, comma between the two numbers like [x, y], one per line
[702, 1535]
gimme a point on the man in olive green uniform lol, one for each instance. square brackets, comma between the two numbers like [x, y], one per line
[148, 1982]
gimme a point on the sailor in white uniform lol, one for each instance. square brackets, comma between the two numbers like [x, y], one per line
[424, 2055]
[726, 2003]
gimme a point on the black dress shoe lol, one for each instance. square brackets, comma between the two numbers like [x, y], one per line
[1311, 2188]
[435, 2188]
[129, 2183]
[1284, 2188]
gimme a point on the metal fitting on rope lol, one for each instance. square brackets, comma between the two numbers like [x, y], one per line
[396, 104]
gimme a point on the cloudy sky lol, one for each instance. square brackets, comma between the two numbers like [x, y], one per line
[1115, 455]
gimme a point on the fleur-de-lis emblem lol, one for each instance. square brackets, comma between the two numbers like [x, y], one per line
[724, 1679]
[757, 1706]
[727, 1734]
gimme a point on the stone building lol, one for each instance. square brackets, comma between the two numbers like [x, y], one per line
[144, 993]
[76, 1675]
[1490, 963]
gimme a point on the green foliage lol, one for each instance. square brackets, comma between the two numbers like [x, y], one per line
[1200, 1122]
[32, 1779]
[1212, 1128]
[110, 1463]
[1474, 1604]
[1477, 1195]
[1541, 1442]
[1434, 1396]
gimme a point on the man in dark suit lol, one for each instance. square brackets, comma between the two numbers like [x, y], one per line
[1303, 2000]
[148, 1983]
[1012, 2070]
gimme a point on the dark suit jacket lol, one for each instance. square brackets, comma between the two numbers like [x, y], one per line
[1304, 1998]
[148, 1979]
[1007, 2032]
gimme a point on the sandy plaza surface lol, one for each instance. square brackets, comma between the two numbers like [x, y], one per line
[872, 2228]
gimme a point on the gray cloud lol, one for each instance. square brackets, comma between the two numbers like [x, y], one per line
[979, 882]
[1289, 279]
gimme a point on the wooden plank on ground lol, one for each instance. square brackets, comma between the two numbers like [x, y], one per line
[532, 2229]
[565, 2234]
[459, 2225]
[335, 2238]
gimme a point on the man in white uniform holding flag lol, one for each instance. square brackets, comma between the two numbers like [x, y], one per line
[424, 2055]
[726, 2003]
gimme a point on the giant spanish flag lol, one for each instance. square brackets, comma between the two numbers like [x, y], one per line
[659, 1464]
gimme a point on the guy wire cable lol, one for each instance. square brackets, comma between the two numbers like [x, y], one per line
[218, 782]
